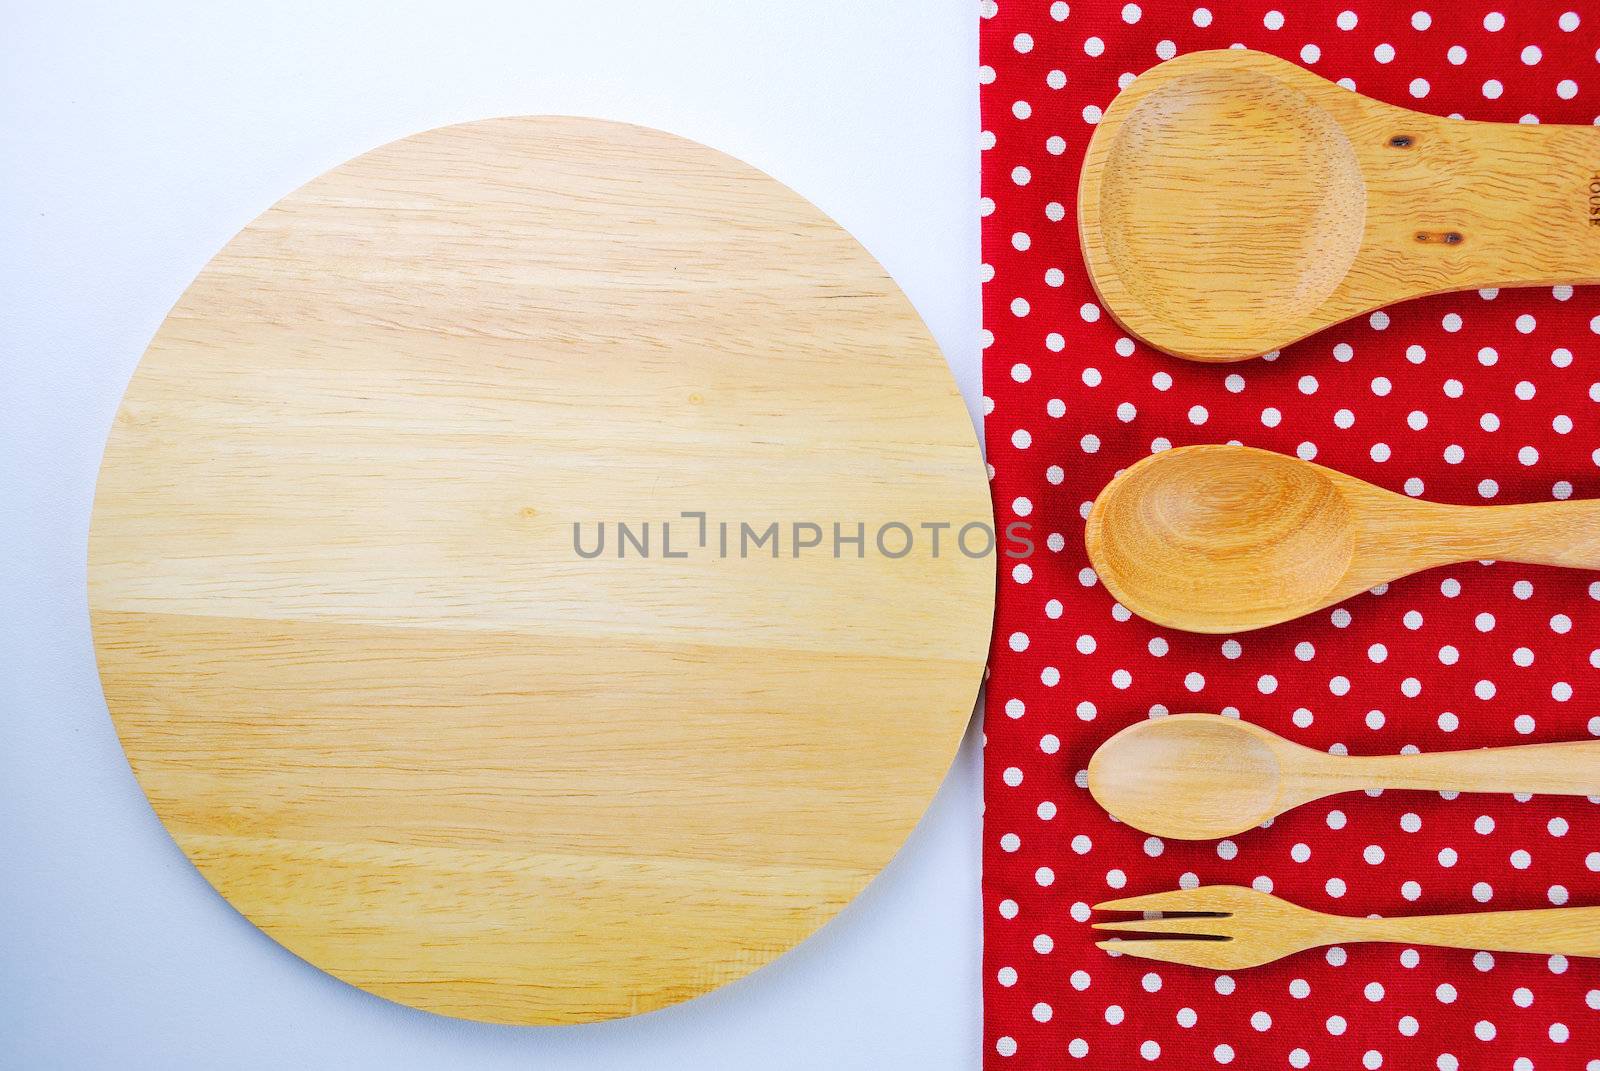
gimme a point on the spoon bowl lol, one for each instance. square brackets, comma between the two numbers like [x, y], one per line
[1247, 538]
[1232, 202]
[1229, 538]
[1139, 773]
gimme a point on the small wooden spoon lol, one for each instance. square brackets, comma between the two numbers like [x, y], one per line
[1232, 202]
[1200, 776]
[1229, 538]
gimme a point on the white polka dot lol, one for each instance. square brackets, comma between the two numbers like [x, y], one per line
[1273, 20]
[1531, 55]
[1419, 87]
[1492, 88]
[1457, 55]
[1494, 22]
[1384, 53]
[1094, 46]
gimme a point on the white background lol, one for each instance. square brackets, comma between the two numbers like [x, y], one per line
[135, 139]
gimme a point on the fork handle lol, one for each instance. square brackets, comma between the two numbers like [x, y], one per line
[1571, 931]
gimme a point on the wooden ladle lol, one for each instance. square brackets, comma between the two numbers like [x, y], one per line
[1229, 538]
[1200, 776]
[1231, 202]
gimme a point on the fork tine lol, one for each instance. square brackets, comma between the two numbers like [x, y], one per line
[1171, 900]
[1189, 952]
[1210, 925]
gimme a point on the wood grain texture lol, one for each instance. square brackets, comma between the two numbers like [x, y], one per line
[1230, 538]
[1256, 927]
[355, 661]
[1232, 202]
[1203, 777]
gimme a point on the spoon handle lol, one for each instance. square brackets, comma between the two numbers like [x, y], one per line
[1565, 769]
[1506, 204]
[1537, 533]
[1570, 931]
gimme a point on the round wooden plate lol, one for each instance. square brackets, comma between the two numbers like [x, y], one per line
[370, 684]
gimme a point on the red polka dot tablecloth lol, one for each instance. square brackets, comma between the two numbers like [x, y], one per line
[1478, 397]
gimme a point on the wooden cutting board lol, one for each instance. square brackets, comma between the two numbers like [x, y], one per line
[366, 679]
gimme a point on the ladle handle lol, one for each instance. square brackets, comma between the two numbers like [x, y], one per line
[1564, 534]
[1522, 205]
[1565, 769]
[1568, 931]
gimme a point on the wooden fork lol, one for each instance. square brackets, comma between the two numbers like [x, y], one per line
[1228, 927]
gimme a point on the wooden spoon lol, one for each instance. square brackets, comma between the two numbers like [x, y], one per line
[1229, 538]
[1200, 776]
[1232, 202]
